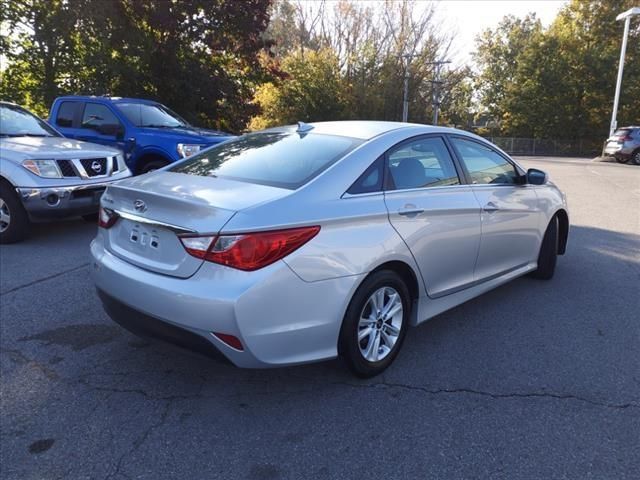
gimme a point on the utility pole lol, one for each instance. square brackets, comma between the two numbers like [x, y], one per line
[405, 95]
[437, 83]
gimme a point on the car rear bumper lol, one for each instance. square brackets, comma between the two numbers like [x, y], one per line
[57, 202]
[278, 318]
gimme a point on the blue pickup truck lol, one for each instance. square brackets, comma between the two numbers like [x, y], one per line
[150, 134]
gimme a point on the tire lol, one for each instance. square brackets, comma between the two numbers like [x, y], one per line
[91, 218]
[14, 222]
[548, 255]
[153, 165]
[620, 159]
[389, 333]
[635, 157]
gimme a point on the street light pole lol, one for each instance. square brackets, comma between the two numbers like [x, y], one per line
[626, 16]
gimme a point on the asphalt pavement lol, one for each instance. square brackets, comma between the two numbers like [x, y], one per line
[532, 380]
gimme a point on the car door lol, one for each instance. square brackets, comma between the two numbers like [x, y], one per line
[437, 216]
[510, 212]
[100, 125]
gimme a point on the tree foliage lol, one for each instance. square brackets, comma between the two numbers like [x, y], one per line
[560, 81]
[359, 48]
[200, 57]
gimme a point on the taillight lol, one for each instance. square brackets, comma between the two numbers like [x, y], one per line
[107, 218]
[248, 251]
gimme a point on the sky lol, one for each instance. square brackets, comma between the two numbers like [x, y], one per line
[468, 18]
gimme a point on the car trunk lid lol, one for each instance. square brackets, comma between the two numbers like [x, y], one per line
[156, 208]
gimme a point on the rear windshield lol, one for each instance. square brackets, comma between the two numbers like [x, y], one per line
[278, 159]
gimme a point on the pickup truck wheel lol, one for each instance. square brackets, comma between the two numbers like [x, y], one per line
[153, 165]
[14, 222]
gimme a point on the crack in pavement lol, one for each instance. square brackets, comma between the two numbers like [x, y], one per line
[470, 391]
[44, 279]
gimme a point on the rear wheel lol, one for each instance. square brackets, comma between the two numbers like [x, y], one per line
[14, 222]
[620, 159]
[375, 324]
[548, 255]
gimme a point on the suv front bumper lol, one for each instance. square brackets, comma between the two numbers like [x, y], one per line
[56, 202]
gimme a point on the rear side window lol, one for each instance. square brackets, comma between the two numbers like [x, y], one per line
[371, 180]
[420, 163]
[96, 115]
[485, 165]
[278, 159]
[66, 113]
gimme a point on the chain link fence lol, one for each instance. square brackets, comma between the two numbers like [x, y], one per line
[585, 147]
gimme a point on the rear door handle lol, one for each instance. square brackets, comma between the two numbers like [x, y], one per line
[410, 211]
[490, 207]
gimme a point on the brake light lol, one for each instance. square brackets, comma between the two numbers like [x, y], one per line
[248, 251]
[107, 218]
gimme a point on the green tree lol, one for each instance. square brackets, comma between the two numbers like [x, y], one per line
[312, 90]
[200, 57]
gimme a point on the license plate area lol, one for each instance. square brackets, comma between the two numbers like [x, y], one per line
[151, 247]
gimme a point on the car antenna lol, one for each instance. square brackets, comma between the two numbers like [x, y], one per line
[304, 127]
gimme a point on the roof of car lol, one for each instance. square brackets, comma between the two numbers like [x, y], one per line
[107, 98]
[361, 129]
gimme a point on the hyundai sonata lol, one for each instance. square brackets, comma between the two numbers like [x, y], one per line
[304, 243]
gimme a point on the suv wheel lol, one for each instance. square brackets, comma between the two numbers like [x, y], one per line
[635, 157]
[14, 223]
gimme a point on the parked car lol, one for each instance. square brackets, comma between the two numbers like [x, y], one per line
[150, 134]
[44, 175]
[624, 145]
[295, 245]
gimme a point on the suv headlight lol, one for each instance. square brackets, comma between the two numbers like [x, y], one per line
[188, 149]
[43, 168]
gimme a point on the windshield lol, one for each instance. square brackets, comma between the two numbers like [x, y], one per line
[17, 122]
[156, 115]
[278, 159]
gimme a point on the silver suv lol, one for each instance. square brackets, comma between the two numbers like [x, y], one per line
[624, 145]
[44, 175]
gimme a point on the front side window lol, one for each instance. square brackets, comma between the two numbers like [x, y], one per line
[485, 165]
[98, 116]
[278, 159]
[17, 122]
[424, 162]
[144, 115]
[66, 113]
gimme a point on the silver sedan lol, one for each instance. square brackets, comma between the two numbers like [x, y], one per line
[308, 242]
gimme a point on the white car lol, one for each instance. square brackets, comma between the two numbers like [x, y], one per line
[44, 175]
[299, 244]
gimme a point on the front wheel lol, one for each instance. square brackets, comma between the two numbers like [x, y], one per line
[14, 222]
[620, 159]
[375, 324]
[548, 255]
[153, 165]
[635, 157]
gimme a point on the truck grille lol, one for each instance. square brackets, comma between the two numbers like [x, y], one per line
[94, 166]
[66, 168]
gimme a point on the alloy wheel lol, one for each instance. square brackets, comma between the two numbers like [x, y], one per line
[380, 324]
[5, 216]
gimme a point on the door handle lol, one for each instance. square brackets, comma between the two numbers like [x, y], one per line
[410, 211]
[490, 207]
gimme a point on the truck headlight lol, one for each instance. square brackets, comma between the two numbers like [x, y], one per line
[188, 149]
[43, 168]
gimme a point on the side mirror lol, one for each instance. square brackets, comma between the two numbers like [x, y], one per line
[536, 177]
